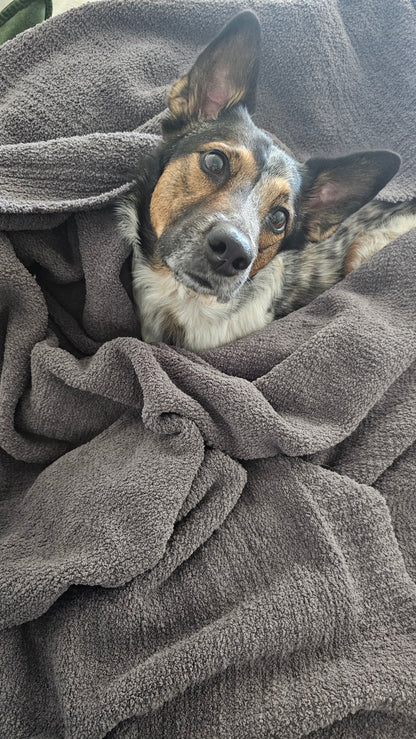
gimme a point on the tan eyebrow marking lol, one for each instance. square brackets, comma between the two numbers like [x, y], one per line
[274, 191]
[242, 160]
[183, 184]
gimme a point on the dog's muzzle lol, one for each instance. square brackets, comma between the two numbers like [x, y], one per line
[228, 251]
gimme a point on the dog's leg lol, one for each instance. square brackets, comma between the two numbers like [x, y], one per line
[397, 221]
[309, 272]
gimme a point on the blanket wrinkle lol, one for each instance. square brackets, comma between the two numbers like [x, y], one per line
[28, 182]
[49, 545]
[388, 426]
[213, 545]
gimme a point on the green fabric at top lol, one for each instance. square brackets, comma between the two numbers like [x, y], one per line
[22, 14]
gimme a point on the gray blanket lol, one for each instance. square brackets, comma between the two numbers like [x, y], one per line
[213, 545]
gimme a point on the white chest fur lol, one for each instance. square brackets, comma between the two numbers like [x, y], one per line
[165, 305]
[202, 322]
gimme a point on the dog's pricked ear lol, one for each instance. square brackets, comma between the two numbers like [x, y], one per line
[335, 188]
[224, 74]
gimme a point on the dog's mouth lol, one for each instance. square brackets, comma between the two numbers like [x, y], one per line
[204, 281]
[224, 291]
[201, 281]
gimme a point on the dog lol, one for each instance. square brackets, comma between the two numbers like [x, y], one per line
[228, 231]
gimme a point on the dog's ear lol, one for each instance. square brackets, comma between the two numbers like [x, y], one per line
[335, 188]
[224, 74]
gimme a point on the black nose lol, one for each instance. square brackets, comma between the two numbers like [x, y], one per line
[228, 251]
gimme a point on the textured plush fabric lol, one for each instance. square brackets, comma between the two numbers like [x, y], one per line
[214, 545]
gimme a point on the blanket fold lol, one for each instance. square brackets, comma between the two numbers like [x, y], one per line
[212, 545]
[28, 181]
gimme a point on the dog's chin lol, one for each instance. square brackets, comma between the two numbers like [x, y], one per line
[210, 285]
[224, 290]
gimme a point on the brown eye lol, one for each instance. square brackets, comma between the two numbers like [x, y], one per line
[214, 162]
[278, 220]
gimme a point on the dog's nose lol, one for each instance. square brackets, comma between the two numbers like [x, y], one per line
[228, 251]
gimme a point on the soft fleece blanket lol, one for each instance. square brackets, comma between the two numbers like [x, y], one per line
[220, 545]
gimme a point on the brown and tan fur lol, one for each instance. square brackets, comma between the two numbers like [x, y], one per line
[228, 230]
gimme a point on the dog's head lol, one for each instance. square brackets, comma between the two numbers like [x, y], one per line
[224, 197]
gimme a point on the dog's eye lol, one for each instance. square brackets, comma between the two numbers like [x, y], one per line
[214, 162]
[278, 220]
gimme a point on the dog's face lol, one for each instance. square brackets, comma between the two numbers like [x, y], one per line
[223, 204]
[227, 198]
